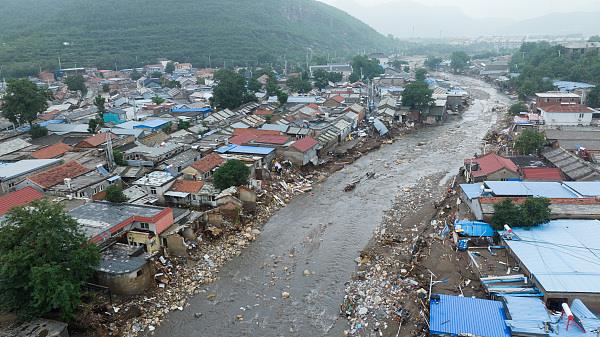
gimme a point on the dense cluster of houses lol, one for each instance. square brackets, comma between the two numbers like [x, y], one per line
[161, 143]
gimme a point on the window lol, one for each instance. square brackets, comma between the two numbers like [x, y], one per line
[81, 194]
[581, 115]
[153, 190]
[144, 225]
[140, 272]
[11, 184]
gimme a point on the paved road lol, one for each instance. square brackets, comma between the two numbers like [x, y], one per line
[323, 232]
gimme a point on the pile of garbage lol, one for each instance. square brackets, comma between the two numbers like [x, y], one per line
[389, 284]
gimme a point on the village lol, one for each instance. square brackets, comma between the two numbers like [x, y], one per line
[171, 186]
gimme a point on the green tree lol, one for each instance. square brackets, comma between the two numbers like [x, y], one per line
[398, 64]
[170, 68]
[282, 97]
[254, 85]
[432, 62]
[44, 261]
[182, 125]
[593, 98]
[114, 193]
[594, 38]
[517, 108]
[406, 69]
[354, 77]
[93, 125]
[156, 74]
[231, 91]
[321, 78]
[417, 95]
[299, 84]
[506, 213]
[100, 103]
[158, 100]
[76, 83]
[232, 173]
[529, 142]
[369, 68]
[535, 211]
[23, 101]
[119, 159]
[37, 131]
[459, 60]
[135, 75]
[272, 86]
[420, 74]
[105, 88]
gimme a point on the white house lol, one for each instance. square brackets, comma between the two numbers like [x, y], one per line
[566, 114]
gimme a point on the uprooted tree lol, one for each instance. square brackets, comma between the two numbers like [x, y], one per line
[44, 261]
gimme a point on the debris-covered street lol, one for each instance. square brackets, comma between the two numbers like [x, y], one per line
[292, 279]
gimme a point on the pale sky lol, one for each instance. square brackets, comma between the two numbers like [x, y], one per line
[515, 9]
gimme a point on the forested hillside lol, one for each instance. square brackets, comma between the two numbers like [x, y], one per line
[540, 63]
[34, 33]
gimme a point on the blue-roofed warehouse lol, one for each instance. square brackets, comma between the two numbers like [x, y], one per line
[562, 258]
[454, 316]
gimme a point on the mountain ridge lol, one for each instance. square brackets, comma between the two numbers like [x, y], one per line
[34, 33]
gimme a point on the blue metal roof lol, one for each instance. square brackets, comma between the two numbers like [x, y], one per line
[562, 255]
[232, 148]
[585, 188]
[192, 110]
[474, 228]
[153, 123]
[570, 86]
[454, 315]
[530, 188]
[380, 127]
[472, 191]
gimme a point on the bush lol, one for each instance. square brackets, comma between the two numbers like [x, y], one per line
[533, 212]
[38, 131]
[233, 173]
[517, 108]
[115, 194]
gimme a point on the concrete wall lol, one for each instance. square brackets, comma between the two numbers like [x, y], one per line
[561, 118]
[133, 283]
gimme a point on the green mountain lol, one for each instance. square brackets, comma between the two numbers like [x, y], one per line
[33, 33]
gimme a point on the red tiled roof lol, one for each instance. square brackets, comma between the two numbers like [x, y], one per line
[304, 144]
[18, 198]
[542, 174]
[567, 108]
[491, 163]
[277, 140]
[208, 163]
[263, 112]
[255, 132]
[95, 140]
[241, 139]
[56, 175]
[338, 98]
[187, 186]
[51, 151]
[314, 106]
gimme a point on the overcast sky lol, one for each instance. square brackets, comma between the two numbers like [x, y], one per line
[516, 9]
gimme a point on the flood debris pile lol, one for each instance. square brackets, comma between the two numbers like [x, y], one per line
[388, 296]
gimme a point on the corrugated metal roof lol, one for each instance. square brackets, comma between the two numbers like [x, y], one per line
[472, 191]
[536, 189]
[455, 315]
[562, 255]
[586, 189]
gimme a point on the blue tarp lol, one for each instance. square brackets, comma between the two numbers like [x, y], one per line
[232, 148]
[474, 228]
[192, 110]
[453, 315]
